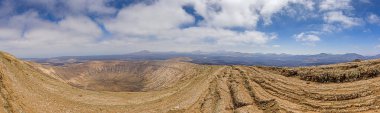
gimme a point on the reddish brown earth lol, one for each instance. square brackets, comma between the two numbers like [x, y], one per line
[176, 87]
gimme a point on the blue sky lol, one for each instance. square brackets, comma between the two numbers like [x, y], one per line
[47, 28]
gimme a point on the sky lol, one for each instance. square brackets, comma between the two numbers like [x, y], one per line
[48, 28]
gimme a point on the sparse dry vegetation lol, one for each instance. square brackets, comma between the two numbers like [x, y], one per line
[337, 73]
[178, 87]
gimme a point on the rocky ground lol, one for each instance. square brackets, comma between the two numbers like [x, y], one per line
[178, 87]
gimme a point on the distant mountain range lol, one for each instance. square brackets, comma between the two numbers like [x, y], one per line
[218, 58]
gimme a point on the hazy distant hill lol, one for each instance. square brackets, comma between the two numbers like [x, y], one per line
[219, 58]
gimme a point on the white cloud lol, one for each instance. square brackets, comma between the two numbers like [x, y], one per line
[329, 28]
[6, 33]
[337, 15]
[270, 7]
[242, 13]
[28, 35]
[276, 46]
[91, 6]
[339, 18]
[377, 46]
[229, 13]
[139, 22]
[373, 19]
[329, 5]
[307, 38]
[249, 37]
[157, 26]
[148, 20]
[309, 4]
[81, 25]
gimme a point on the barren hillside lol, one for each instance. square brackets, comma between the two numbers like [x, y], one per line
[125, 75]
[177, 87]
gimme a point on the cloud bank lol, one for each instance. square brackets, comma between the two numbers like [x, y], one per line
[84, 27]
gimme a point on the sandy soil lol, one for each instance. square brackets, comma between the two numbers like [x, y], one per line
[174, 87]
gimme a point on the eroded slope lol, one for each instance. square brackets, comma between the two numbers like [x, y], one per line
[169, 86]
[125, 75]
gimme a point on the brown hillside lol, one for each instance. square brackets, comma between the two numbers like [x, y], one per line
[173, 86]
[126, 75]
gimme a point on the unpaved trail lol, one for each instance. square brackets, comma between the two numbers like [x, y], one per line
[178, 87]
